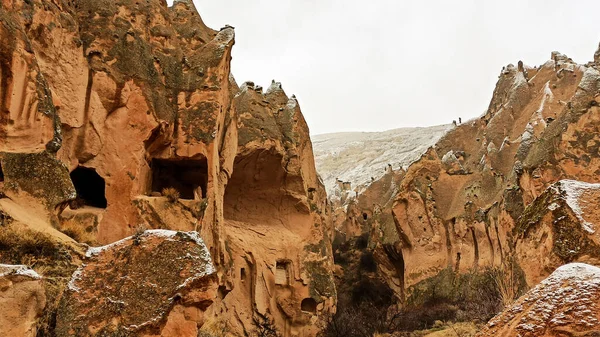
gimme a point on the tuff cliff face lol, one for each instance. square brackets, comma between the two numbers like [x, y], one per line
[121, 116]
[510, 192]
[460, 206]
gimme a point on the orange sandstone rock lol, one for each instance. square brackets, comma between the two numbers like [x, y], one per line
[564, 304]
[154, 283]
[106, 104]
[22, 300]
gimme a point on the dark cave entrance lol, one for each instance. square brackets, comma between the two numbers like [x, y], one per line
[90, 187]
[309, 305]
[1, 173]
[186, 176]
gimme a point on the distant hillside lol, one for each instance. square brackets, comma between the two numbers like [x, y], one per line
[357, 156]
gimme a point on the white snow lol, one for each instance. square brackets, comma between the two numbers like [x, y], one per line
[8, 269]
[291, 105]
[357, 156]
[548, 97]
[589, 81]
[92, 251]
[449, 157]
[573, 191]
[225, 36]
[519, 80]
[74, 278]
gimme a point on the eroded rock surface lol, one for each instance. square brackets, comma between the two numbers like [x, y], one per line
[22, 301]
[155, 283]
[123, 115]
[567, 303]
[559, 227]
[512, 189]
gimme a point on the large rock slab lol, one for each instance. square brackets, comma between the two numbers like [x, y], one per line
[154, 283]
[558, 227]
[22, 300]
[565, 304]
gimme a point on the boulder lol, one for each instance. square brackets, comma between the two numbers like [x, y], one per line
[155, 283]
[567, 303]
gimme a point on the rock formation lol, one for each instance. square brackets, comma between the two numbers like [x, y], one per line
[514, 190]
[360, 157]
[22, 300]
[564, 304]
[558, 227]
[119, 116]
[534, 134]
[156, 283]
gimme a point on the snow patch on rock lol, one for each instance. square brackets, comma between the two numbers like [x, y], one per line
[573, 190]
[568, 297]
[195, 236]
[8, 269]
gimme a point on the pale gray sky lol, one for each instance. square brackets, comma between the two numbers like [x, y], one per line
[384, 64]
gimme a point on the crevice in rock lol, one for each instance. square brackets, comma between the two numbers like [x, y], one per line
[457, 266]
[82, 132]
[498, 239]
[476, 249]
[487, 233]
[396, 257]
[448, 241]
[5, 81]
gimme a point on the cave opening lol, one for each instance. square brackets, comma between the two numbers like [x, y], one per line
[309, 305]
[365, 216]
[90, 187]
[254, 192]
[1, 173]
[188, 176]
[222, 291]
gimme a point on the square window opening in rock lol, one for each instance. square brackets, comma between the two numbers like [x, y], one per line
[282, 273]
[189, 177]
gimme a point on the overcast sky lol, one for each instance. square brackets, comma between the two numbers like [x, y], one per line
[384, 64]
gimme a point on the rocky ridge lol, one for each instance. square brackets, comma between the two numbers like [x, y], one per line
[512, 192]
[358, 158]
